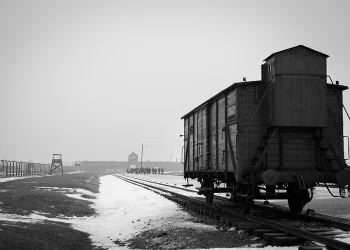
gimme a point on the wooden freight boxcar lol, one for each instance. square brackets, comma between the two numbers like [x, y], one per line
[270, 139]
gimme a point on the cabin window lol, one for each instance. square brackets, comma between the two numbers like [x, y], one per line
[270, 68]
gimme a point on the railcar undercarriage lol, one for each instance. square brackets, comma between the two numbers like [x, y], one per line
[297, 192]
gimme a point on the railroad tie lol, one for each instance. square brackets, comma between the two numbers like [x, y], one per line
[217, 215]
[246, 226]
[224, 219]
[330, 233]
[317, 230]
[205, 211]
[233, 222]
[287, 241]
[269, 236]
[311, 248]
[259, 232]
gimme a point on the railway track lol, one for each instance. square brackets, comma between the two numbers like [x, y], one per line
[262, 222]
[279, 212]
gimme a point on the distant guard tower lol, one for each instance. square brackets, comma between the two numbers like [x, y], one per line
[133, 159]
[56, 163]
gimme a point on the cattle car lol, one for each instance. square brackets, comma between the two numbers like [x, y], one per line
[270, 139]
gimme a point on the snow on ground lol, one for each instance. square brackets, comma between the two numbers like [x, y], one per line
[75, 172]
[124, 210]
[18, 177]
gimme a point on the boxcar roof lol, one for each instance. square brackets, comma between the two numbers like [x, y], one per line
[231, 87]
[296, 47]
[235, 85]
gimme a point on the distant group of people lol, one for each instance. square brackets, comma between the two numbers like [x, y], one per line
[154, 170]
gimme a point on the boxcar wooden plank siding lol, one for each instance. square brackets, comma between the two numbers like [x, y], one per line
[198, 140]
[231, 97]
[190, 151]
[292, 146]
[206, 142]
[334, 128]
[289, 156]
[289, 60]
[232, 129]
[198, 134]
[186, 139]
[202, 142]
[298, 147]
[294, 152]
[299, 102]
[249, 137]
[291, 166]
[190, 165]
[233, 135]
[213, 141]
[221, 137]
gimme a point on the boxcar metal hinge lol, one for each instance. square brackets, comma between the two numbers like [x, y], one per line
[228, 138]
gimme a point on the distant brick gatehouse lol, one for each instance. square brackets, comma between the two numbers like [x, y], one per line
[133, 159]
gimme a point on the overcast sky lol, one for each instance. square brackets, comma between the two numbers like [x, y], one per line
[93, 80]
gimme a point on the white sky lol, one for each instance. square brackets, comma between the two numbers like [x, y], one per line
[92, 80]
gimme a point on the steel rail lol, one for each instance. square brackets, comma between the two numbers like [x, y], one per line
[163, 190]
[328, 222]
[290, 230]
[164, 184]
[301, 233]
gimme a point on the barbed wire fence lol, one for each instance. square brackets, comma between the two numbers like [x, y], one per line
[10, 168]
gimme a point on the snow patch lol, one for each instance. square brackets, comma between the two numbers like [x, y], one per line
[18, 178]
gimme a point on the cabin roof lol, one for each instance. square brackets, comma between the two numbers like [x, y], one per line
[235, 85]
[133, 154]
[231, 87]
[294, 48]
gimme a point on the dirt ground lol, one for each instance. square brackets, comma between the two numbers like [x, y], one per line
[201, 237]
[24, 197]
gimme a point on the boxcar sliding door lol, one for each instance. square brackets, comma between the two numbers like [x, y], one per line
[221, 134]
[213, 130]
[231, 124]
